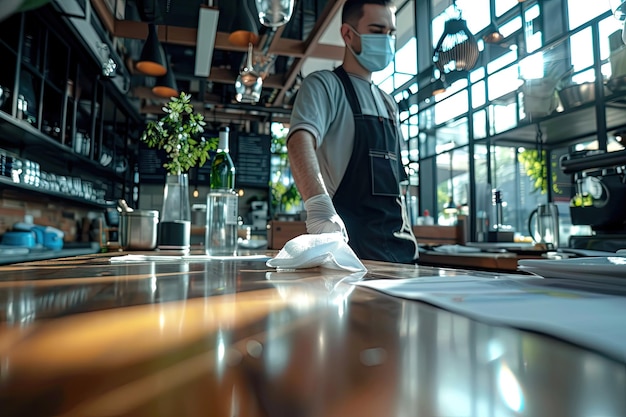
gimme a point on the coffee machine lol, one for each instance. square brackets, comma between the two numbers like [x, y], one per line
[600, 198]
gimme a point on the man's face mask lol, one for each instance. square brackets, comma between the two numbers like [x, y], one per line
[377, 50]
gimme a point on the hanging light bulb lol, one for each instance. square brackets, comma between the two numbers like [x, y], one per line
[249, 83]
[457, 50]
[274, 13]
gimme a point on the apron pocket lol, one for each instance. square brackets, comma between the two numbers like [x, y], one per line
[384, 173]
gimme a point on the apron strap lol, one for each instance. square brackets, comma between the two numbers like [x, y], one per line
[349, 88]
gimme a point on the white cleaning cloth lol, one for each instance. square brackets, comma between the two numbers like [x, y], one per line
[327, 250]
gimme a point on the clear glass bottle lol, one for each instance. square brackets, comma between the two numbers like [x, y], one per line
[221, 223]
[222, 203]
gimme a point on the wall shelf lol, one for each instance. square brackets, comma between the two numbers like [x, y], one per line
[8, 184]
[66, 92]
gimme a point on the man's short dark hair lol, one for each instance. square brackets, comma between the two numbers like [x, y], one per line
[353, 9]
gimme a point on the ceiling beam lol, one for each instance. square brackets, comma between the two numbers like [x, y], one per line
[278, 46]
[310, 46]
[177, 35]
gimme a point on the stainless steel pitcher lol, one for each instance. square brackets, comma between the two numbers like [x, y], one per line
[543, 225]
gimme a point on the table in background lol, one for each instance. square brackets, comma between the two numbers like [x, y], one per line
[501, 261]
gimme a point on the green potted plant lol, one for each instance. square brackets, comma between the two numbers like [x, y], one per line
[284, 198]
[179, 134]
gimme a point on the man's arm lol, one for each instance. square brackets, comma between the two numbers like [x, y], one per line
[321, 215]
[304, 165]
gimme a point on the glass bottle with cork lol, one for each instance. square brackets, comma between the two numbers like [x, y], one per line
[222, 204]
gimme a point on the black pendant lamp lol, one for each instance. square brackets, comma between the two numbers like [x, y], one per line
[244, 29]
[165, 85]
[457, 49]
[152, 60]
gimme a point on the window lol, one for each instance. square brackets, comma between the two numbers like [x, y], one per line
[580, 12]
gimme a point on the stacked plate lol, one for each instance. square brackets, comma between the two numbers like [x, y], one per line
[602, 269]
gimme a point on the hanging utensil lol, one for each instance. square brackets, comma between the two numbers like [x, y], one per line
[249, 83]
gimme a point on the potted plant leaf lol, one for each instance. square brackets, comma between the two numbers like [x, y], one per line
[179, 134]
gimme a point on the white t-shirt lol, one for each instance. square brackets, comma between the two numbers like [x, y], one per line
[321, 108]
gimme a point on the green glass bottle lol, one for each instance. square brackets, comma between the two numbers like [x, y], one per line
[222, 168]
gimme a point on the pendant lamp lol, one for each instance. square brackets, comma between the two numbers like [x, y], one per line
[457, 50]
[244, 28]
[274, 13]
[165, 85]
[152, 60]
[493, 35]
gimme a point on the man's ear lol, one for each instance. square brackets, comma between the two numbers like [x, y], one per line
[346, 32]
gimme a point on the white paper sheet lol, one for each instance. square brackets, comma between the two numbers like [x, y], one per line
[596, 321]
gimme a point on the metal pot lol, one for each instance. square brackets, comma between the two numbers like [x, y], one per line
[577, 94]
[138, 229]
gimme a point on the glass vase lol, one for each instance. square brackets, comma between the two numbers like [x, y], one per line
[175, 223]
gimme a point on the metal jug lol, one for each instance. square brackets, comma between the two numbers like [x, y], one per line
[543, 225]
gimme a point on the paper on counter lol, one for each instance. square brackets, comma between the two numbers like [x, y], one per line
[187, 258]
[593, 320]
[326, 250]
[456, 249]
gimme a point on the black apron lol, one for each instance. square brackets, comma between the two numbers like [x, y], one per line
[368, 197]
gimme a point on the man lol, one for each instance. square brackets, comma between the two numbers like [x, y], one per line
[344, 142]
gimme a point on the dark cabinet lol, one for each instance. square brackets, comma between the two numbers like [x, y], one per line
[59, 114]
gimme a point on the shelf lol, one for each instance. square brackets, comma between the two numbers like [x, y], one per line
[564, 127]
[7, 183]
[33, 144]
[48, 65]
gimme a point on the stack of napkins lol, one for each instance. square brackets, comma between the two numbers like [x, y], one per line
[327, 250]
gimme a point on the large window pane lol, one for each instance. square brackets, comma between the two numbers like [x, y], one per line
[582, 49]
[478, 94]
[476, 13]
[504, 180]
[452, 184]
[406, 59]
[480, 124]
[452, 134]
[503, 82]
[451, 107]
[502, 117]
[582, 11]
[503, 6]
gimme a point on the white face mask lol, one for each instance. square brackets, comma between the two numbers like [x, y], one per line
[377, 50]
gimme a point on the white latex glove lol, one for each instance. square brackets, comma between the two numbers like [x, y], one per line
[321, 216]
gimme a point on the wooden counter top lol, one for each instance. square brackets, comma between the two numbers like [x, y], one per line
[85, 337]
[474, 260]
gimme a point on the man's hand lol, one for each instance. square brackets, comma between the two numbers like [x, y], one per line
[321, 216]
